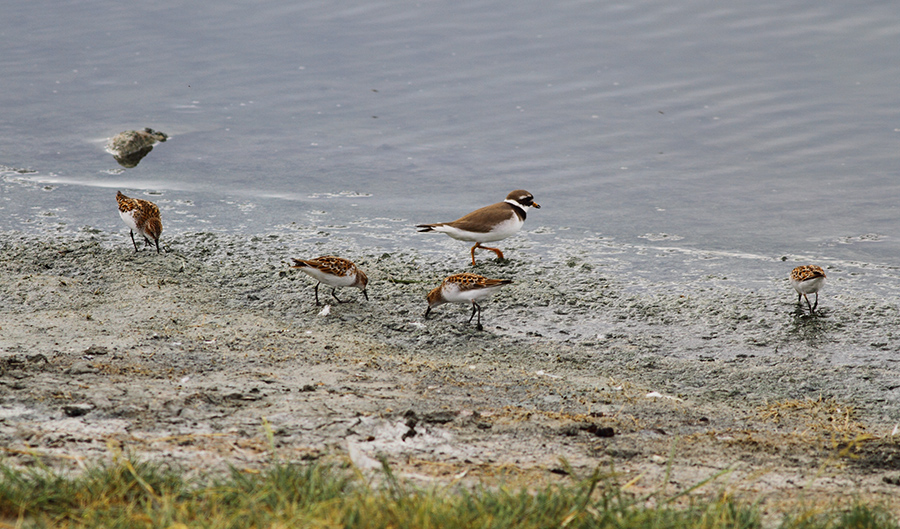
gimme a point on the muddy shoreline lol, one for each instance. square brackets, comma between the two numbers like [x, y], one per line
[196, 355]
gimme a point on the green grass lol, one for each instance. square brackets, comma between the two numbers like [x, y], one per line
[133, 494]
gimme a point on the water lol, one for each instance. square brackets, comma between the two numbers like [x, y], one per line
[744, 131]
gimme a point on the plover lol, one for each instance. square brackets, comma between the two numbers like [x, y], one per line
[490, 223]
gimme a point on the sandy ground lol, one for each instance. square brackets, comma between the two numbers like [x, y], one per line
[213, 354]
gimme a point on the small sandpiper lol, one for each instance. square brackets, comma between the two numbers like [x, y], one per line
[141, 216]
[808, 279]
[464, 288]
[334, 272]
[490, 223]
[130, 147]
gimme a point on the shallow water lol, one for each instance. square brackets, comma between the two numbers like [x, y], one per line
[696, 149]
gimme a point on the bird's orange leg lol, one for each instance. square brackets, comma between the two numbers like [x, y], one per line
[495, 250]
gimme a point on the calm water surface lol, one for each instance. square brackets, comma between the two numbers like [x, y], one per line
[745, 130]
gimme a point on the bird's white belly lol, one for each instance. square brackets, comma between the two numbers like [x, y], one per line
[455, 295]
[499, 232]
[330, 279]
[128, 217]
[810, 286]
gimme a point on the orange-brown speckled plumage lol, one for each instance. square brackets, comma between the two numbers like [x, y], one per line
[337, 266]
[808, 279]
[464, 288]
[335, 272]
[467, 281]
[803, 273]
[140, 215]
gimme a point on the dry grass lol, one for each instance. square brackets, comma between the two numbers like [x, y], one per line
[825, 423]
[814, 417]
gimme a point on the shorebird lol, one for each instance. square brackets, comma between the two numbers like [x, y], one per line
[334, 272]
[130, 147]
[808, 279]
[142, 216]
[465, 288]
[490, 223]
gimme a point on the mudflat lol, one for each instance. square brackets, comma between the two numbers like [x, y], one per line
[213, 353]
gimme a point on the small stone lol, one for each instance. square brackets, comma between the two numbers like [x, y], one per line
[96, 350]
[81, 368]
[440, 417]
[411, 432]
[77, 410]
[570, 430]
[601, 431]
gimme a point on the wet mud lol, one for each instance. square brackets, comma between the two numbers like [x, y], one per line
[214, 354]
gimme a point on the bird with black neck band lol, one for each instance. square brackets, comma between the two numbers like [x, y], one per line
[488, 224]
